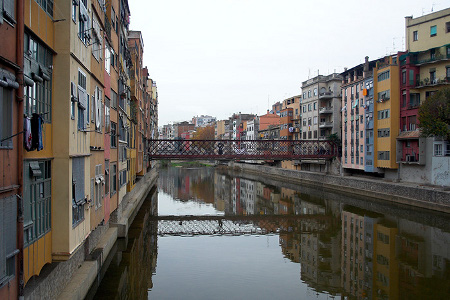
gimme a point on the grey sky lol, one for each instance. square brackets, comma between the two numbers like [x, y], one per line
[217, 57]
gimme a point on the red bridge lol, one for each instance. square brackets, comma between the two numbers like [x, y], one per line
[241, 150]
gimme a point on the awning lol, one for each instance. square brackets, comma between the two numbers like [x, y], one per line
[409, 135]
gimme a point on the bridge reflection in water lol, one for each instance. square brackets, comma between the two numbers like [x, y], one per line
[240, 225]
[346, 246]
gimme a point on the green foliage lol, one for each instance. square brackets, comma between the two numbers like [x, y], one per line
[434, 115]
[334, 138]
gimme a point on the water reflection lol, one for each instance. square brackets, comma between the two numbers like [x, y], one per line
[358, 249]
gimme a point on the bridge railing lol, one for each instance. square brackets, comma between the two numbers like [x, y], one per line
[244, 149]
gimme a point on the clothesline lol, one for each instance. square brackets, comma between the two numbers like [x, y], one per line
[16, 134]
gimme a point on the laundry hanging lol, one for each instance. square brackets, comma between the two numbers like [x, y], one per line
[27, 134]
[36, 132]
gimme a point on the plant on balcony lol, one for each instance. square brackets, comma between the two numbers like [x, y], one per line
[426, 80]
[434, 115]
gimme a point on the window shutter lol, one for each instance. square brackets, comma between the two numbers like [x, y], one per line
[93, 108]
[87, 110]
[11, 224]
[2, 239]
[92, 190]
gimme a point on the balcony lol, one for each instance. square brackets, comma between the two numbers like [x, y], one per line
[325, 124]
[326, 95]
[430, 83]
[326, 110]
[427, 57]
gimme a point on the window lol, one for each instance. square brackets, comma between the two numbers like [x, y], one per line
[74, 11]
[107, 115]
[309, 107]
[315, 91]
[37, 79]
[304, 95]
[8, 235]
[383, 114]
[403, 76]
[84, 24]
[78, 196]
[123, 178]
[415, 36]
[447, 73]
[309, 94]
[309, 121]
[315, 120]
[113, 18]
[113, 99]
[384, 96]
[384, 132]
[383, 155]
[304, 108]
[441, 148]
[315, 105]
[8, 11]
[47, 6]
[97, 43]
[82, 97]
[107, 60]
[447, 27]
[361, 135]
[99, 181]
[6, 117]
[433, 30]
[432, 76]
[113, 185]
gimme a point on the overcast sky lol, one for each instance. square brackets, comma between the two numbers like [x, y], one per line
[218, 57]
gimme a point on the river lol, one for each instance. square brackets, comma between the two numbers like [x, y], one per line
[255, 238]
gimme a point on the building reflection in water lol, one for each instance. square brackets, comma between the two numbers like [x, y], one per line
[357, 253]
[130, 269]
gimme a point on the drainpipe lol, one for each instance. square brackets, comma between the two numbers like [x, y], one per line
[20, 104]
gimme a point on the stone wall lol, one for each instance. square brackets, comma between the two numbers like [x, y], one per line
[410, 194]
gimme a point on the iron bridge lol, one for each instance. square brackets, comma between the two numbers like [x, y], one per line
[241, 150]
[240, 225]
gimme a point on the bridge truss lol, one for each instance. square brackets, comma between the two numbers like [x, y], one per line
[240, 225]
[241, 150]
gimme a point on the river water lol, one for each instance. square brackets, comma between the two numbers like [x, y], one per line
[257, 238]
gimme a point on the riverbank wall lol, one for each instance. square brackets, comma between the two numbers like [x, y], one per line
[72, 279]
[426, 197]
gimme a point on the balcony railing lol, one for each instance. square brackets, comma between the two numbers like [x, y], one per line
[326, 95]
[326, 110]
[435, 82]
[325, 124]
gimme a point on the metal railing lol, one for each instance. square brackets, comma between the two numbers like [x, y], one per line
[239, 150]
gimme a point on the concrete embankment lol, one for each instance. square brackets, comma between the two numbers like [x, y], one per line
[72, 279]
[433, 198]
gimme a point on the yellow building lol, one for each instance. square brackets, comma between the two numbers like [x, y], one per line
[386, 112]
[72, 130]
[385, 263]
[39, 167]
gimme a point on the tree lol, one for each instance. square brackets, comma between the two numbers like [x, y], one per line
[204, 133]
[434, 115]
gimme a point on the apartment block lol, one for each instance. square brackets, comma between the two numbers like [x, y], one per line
[69, 149]
[11, 147]
[357, 117]
[321, 107]
[424, 69]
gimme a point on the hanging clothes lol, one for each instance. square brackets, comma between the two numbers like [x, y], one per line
[27, 134]
[36, 132]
